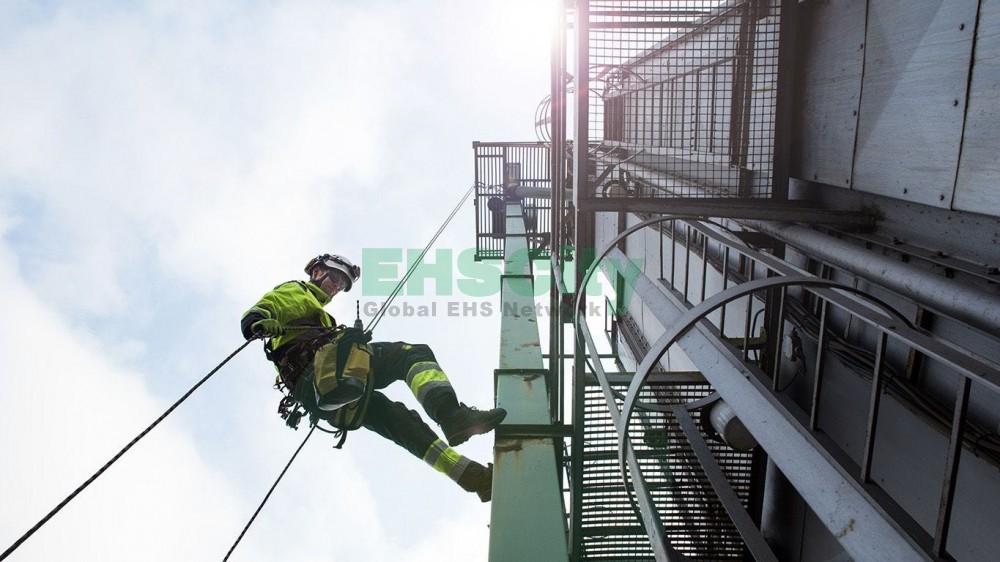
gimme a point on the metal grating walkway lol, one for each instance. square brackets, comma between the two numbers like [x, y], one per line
[694, 519]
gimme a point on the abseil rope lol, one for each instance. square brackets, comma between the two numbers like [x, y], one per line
[371, 325]
[399, 287]
[268, 495]
[375, 320]
[107, 465]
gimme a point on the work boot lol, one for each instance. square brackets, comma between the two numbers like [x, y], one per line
[466, 422]
[479, 479]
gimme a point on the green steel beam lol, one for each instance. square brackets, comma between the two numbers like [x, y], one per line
[527, 520]
[583, 250]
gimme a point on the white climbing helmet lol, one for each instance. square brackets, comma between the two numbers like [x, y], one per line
[338, 263]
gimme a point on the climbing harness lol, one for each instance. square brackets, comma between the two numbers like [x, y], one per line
[341, 384]
[326, 374]
[291, 409]
[333, 385]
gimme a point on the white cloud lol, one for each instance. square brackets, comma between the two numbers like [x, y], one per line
[65, 410]
[163, 164]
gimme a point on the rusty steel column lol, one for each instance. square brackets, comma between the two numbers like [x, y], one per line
[527, 519]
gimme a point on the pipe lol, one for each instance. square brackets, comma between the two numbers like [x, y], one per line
[530, 191]
[964, 302]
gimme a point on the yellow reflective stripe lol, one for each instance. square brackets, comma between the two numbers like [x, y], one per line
[446, 460]
[459, 468]
[420, 367]
[427, 375]
[448, 463]
[436, 449]
[431, 385]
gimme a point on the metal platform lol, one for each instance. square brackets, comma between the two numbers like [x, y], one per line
[693, 516]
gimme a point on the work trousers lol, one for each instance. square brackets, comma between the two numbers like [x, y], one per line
[416, 365]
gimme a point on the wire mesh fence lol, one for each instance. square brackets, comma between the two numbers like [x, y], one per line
[682, 97]
[499, 166]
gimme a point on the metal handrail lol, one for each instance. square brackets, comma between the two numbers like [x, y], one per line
[643, 503]
[864, 307]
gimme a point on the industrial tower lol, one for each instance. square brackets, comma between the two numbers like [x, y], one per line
[797, 205]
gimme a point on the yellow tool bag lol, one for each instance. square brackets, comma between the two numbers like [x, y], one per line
[340, 372]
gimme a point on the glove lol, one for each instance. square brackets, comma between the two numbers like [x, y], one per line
[268, 327]
[355, 335]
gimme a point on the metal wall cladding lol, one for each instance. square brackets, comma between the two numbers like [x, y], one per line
[979, 167]
[894, 100]
[913, 98]
[829, 76]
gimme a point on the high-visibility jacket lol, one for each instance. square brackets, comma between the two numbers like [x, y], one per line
[295, 303]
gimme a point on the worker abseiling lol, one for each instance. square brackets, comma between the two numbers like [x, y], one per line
[334, 372]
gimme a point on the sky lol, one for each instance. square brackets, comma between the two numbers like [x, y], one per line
[165, 163]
